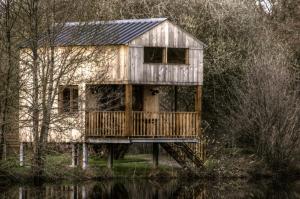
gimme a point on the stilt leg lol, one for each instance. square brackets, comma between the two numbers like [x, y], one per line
[75, 155]
[110, 158]
[155, 154]
[84, 156]
[21, 154]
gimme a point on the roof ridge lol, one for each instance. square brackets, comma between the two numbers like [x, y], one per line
[116, 21]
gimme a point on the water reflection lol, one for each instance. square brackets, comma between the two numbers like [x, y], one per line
[148, 189]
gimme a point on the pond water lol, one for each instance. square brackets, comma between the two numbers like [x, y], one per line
[149, 189]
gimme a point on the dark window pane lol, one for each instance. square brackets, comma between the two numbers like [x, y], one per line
[66, 99]
[75, 100]
[177, 56]
[153, 55]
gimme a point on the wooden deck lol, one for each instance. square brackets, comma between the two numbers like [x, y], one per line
[142, 124]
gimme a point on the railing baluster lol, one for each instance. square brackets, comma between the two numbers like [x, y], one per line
[96, 122]
[159, 132]
[110, 126]
[144, 124]
[185, 124]
[133, 118]
[119, 122]
[93, 123]
[105, 129]
[113, 123]
[171, 123]
[141, 124]
[101, 123]
[151, 117]
[89, 130]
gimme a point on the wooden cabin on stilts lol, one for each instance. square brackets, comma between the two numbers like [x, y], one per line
[125, 106]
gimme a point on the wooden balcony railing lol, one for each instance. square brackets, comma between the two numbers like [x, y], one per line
[105, 123]
[144, 124]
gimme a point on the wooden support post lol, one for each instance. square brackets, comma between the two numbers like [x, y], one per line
[198, 106]
[22, 154]
[155, 155]
[75, 155]
[128, 110]
[110, 157]
[84, 156]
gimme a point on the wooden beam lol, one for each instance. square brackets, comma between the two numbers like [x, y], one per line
[128, 110]
[198, 105]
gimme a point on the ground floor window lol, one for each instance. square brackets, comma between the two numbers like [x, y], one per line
[68, 99]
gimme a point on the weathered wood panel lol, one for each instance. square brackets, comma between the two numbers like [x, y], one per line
[166, 35]
[175, 74]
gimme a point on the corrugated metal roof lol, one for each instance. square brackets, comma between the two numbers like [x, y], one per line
[102, 32]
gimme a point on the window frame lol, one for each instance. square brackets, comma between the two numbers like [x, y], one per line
[165, 56]
[73, 99]
[162, 56]
[186, 56]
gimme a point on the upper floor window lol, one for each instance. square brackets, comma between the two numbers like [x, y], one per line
[165, 55]
[153, 55]
[177, 55]
[68, 99]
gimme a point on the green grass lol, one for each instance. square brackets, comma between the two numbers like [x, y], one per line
[130, 166]
[57, 166]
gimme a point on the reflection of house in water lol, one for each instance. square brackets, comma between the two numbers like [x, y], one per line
[147, 189]
[150, 56]
[117, 190]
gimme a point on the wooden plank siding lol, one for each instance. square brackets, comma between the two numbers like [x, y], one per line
[144, 124]
[166, 74]
[170, 36]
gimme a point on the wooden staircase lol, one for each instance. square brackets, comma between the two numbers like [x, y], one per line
[184, 155]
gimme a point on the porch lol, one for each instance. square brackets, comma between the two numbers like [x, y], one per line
[147, 112]
[140, 124]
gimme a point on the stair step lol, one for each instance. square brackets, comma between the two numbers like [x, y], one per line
[183, 154]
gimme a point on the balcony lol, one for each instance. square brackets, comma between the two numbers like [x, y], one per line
[142, 124]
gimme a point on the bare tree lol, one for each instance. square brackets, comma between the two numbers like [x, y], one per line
[266, 110]
[8, 73]
[46, 66]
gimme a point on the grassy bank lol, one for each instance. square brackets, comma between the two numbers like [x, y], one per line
[231, 164]
[57, 167]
